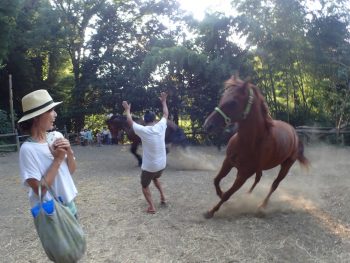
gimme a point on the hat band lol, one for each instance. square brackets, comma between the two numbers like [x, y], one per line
[38, 108]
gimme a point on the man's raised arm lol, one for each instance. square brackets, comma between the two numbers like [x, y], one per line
[127, 108]
[163, 97]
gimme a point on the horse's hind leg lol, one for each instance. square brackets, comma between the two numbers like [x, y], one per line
[240, 180]
[225, 169]
[257, 179]
[282, 173]
[133, 150]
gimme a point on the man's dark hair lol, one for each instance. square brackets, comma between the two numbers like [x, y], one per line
[149, 116]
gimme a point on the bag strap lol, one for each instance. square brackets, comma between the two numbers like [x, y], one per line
[48, 188]
[39, 194]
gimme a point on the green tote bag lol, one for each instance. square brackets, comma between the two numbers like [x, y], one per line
[60, 233]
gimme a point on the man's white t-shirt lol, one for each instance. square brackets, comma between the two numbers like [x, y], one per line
[153, 145]
[34, 161]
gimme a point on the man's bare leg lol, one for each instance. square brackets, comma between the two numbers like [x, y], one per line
[148, 196]
[159, 187]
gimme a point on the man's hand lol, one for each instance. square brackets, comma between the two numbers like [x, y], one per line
[163, 96]
[126, 106]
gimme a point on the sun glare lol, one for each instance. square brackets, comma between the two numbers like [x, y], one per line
[198, 8]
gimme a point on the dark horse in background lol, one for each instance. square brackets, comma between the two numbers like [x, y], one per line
[174, 135]
[260, 143]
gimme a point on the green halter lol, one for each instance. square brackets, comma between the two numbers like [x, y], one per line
[245, 112]
[249, 104]
[226, 118]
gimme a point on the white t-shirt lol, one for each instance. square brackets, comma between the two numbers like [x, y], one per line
[153, 145]
[34, 161]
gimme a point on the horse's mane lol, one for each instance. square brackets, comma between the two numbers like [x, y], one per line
[233, 81]
[263, 106]
[123, 118]
[115, 116]
[236, 81]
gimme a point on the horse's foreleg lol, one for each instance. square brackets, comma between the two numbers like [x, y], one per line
[240, 180]
[225, 169]
[282, 173]
[257, 179]
[133, 150]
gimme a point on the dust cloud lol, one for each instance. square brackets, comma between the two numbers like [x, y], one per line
[194, 158]
[301, 189]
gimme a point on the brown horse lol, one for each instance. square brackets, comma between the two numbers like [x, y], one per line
[174, 135]
[260, 143]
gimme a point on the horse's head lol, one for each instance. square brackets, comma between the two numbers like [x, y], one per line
[116, 123]
[119, 122]
[235, 104]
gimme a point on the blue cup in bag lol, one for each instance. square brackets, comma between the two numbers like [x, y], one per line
[48, 207]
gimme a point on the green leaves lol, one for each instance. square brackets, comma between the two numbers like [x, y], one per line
[94, 54]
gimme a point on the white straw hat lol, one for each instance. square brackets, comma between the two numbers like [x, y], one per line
[36, 103]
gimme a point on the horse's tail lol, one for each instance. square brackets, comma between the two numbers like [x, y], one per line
[301, 157]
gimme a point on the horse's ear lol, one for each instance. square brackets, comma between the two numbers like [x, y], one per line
[243, 89]
[235, 75]
[247, 79]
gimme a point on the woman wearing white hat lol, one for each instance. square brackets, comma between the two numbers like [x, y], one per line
[47, 156]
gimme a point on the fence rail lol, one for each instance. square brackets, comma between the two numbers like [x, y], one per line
[307, 133]
[319, 133]
[19, 139]
[6, 147]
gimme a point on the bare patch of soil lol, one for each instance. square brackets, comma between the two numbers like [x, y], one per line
[307, 219]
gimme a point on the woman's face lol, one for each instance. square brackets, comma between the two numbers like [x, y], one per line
[46, 120]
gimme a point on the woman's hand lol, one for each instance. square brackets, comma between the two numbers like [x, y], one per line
[60, 148]
[58, 153]
[62, 143]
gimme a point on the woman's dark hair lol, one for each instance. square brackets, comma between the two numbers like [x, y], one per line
[25, 126]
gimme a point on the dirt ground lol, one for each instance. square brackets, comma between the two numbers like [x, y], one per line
[307, 219]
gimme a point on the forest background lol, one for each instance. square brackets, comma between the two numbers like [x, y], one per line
[94, 54]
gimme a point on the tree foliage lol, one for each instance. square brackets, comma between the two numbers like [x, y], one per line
[94, 54]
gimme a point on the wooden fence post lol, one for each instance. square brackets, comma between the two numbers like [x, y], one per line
[11, 104]
[17, 140]
[65, 133]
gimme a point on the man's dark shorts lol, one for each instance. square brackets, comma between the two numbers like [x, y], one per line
[147, 177]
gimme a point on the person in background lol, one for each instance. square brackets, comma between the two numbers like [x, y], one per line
[153, 149]
[109, 137]
[89, 137]
[82, 137]
[104, 135]
[99, 138]
[45, 156]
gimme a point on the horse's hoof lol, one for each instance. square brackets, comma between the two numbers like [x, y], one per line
[262, 206]
[260, 213]
[208, 215]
